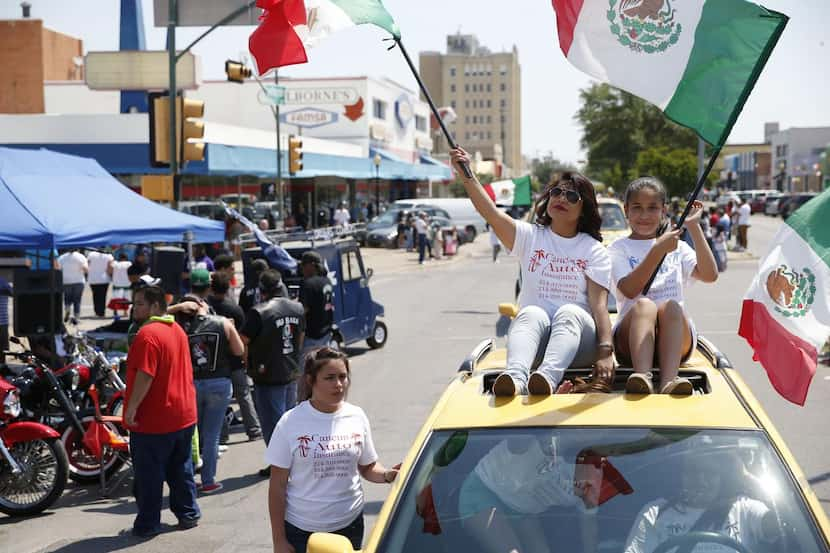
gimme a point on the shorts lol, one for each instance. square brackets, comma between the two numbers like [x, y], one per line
[685, 357]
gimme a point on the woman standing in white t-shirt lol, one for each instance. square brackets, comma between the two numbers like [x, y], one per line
[324, 445]
[566, 275]
[659, 316]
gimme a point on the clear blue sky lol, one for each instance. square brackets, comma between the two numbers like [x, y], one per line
[793, 90]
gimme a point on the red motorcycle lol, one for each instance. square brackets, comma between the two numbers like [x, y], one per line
[33, 462]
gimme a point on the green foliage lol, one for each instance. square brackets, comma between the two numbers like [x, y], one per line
[618, 126]
[544, 169]
[676, 168]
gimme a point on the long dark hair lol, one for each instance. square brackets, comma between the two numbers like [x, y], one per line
[314, 362]
[590, 221]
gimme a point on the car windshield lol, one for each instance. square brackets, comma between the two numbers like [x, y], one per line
[599, 490]
[613, 217]
[389, 217]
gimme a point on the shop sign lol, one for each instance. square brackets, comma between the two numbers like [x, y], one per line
[321, 95]
[309, 118]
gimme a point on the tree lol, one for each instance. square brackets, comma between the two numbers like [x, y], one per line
[617, 126]
[543, 170]
[677, 168]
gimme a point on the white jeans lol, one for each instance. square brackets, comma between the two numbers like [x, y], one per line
[534, 340]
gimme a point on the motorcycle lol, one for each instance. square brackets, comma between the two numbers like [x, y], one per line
[51, 397]
[33, 462]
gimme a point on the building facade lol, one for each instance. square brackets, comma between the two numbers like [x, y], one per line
[484, 90]
[799, 155]
[31, 54]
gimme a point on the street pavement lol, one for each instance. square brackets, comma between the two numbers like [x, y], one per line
[436, 314]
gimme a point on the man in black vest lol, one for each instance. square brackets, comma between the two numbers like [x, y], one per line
[222, 305]
[213, 343]
[316, 295]
[274, 333]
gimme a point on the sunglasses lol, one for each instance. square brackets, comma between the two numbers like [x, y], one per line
[572, 196]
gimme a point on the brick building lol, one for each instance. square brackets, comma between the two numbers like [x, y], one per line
[32, 54]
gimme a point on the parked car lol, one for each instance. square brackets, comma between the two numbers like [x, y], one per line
[461, 211]
[771, 204]
[206, 209]
[758, 202]
[614, 223]
[793, 202]
[580, 470]
[269, 211]
[727, 197]
[382, 232]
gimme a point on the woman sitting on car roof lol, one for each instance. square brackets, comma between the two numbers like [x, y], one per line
[566, 275]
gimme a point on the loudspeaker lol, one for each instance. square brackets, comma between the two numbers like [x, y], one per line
[168, 265]
[32, 303]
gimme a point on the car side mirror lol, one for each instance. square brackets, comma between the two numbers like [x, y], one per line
[320, 542]
[369, 273]
[508, 310]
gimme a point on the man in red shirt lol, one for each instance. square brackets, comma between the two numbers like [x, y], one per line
[160, 412]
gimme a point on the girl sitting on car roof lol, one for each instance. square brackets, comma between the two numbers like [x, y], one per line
[657, 318]
[566, 275]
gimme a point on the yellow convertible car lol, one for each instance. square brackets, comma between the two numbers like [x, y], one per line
[597, 472]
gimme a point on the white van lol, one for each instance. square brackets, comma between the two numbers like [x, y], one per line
[461, 210]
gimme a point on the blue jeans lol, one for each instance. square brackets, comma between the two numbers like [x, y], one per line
[422, 247]
[212, 398]
[72, 294]
[271, 403]
[534, 339]
[160, 458]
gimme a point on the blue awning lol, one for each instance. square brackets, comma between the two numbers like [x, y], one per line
[428, 159]
[53, 200]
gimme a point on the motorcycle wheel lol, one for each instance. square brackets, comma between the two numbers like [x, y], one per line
[42, 480]
[84, 467]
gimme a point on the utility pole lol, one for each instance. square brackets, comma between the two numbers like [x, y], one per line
[172, 21]
[281, 199]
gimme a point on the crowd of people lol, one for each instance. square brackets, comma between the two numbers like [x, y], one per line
[188, 359]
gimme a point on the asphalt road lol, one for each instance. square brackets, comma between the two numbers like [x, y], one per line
[436, 315]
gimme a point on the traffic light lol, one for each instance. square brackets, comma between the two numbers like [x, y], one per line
[236, 71]
[191, 110]
[187, 129]
[295, 154]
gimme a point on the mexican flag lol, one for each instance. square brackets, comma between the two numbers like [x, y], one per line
[289, 27]
[786, 311]
[510, 192]
[697, 60]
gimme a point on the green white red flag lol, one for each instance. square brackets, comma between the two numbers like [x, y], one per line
[786, 311]
[697, 60]
[289, 27]
[510, 192]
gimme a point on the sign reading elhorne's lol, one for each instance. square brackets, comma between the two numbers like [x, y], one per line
[321, 96]
[309, 117]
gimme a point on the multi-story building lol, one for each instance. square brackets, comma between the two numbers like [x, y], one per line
[797, 160]
[484, 89]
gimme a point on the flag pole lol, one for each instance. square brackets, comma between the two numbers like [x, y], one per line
[700, 182]
[464, 167]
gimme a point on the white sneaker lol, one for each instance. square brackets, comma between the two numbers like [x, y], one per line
[222, 448]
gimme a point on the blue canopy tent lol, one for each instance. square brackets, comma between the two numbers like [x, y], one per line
[54, 200]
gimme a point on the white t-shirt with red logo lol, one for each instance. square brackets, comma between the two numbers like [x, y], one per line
[555, 269]
[322, 452]
[674, 275]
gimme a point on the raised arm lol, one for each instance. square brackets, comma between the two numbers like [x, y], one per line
[500, 223]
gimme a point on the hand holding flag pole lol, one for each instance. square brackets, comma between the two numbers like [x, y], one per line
[465, 167]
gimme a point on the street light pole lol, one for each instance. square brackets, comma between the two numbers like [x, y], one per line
[376, 160]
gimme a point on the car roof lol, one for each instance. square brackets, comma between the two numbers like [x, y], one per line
[466, 404]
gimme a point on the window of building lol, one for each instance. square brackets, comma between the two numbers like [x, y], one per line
[452, 103]
[489, 69]
[475, 120]
[379, 109]
[489, 135]
[467, 104]
[489, 103]
[421, 123]
[489, 88]
[503, 102]
[489, 119]
[452, 71]
[452, 88]
[466, 88]
[503, 118]
[467, 119]
[503, 70]
[503, 87]
[475, 103]
[466, 70]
